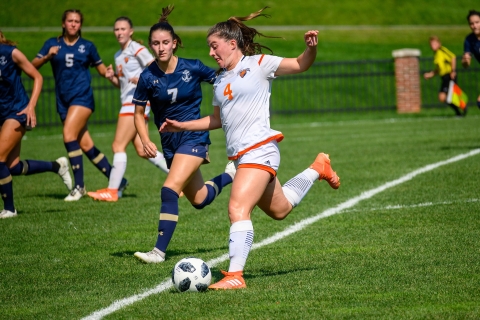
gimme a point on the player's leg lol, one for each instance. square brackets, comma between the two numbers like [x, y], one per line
[125, 132]
[247, 189]
[182, 168]
[11, 133]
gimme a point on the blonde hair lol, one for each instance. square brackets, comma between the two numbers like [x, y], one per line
[4, 40]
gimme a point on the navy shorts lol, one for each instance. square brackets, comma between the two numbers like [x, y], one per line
[20, 118]
[197, 150]
[446, 82]
[62, 106]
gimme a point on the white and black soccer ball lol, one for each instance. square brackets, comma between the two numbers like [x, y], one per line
[191, 274]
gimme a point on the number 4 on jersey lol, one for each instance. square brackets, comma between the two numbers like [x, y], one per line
[228, 92]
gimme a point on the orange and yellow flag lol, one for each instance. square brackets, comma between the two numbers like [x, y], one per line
[457, 96]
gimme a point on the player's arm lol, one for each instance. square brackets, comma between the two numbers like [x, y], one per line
[112, 77]
[207, 123]
[467, 56]
[101, 69]
[38, 62]
[302, 62]
[453, 74]
[149, 147]
[27, 67]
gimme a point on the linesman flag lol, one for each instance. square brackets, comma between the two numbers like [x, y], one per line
[456, 96]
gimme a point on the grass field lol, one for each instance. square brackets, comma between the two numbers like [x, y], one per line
[392, 242]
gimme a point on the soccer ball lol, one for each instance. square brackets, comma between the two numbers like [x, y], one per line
[191, 274]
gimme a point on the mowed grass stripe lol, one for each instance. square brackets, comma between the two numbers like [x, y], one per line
[167, 284]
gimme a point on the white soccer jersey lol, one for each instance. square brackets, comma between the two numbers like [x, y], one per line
[243, 95]
[129, 64]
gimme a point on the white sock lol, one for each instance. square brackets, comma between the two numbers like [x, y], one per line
[241, 239]
[159, 162]
[297, 187]
[118, 170]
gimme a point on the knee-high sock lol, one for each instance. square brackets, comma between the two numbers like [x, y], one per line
[159, 162]
[118, 170]
[241, 240]
[297, 187]
[99, 160]
[168, 218]
[6, 187]
[76, 161]
[27, 167]
[214, 188]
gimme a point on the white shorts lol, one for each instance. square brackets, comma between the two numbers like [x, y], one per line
[265, 157]
[128, 109]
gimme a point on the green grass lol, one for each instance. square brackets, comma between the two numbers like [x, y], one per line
[410, 251]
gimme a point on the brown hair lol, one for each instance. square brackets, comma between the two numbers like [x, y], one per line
[4, 40]
[163, 25]
[64, 17]
[130, 23]
[235, 29]
[472, 13]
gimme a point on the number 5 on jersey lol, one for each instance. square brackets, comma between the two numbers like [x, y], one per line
[227, 92]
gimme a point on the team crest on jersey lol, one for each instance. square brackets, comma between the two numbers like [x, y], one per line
[126, 59]
[186, 76]
[81, 48]
[242, 73]
[3, 60]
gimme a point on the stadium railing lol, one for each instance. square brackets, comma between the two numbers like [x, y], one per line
[342, 86]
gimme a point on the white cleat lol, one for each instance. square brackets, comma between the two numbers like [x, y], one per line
[7, 214]
[76, 194]
[231, 169]
[153, 256]
[64, 172]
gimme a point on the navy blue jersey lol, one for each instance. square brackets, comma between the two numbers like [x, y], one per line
[472, 45]
[71, 67]
[176, 96]
[13, 97]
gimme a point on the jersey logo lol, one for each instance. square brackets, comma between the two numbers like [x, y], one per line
[155, 81]
[186, 76]
[126, 59]
[81, 48]
[3, 60]
[243, 73]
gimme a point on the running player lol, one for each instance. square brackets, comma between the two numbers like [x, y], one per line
[130, 60]
[471, 45]
[17, 113]
[445, 66]
[241, 108]
[70, 57]
[172, 85]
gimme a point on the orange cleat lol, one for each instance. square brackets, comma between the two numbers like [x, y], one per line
[232, 280]
[322, 166]
[106, 194]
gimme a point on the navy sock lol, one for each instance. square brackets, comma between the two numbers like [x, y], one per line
[99, 160]
[168, 218]
[27, 167]
[214, 188]
[76, 162]
[6, 187]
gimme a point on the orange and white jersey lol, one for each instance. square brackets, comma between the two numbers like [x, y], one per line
[129, 63]
[243, 95]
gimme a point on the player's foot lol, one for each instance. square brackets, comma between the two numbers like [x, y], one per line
[230, 169]
[7, 214]
[232, 280]
[76, 194]
[104, 195]
[64, 172]
[153, 256]
[324, 169]
[123, 186]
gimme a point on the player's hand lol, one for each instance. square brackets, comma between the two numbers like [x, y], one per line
[171, 126]
[428, 75]
[453, 75]
[109, 74]
[466, 59]
[53, 51]
[29, 111]
[133, 80]
[311, 38]
[150, 149]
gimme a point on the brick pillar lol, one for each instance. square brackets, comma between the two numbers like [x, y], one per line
[407, 79]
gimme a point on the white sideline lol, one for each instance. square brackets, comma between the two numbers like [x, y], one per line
[120, 304]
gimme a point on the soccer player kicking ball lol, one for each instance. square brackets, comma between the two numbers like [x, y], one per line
[241, 108]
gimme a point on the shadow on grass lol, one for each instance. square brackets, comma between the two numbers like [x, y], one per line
[173, 254]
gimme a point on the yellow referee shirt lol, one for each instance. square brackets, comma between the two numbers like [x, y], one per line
[443, 60]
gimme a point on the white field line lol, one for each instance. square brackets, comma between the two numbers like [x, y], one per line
[120, 304]
[418, 205]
